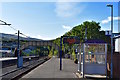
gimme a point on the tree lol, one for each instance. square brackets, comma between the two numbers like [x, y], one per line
[93, 32]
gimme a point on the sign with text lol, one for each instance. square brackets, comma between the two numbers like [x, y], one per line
[71, 40]
[108, 33]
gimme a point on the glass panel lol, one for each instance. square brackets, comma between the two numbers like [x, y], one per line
[101, 48]
[95, 53]
[91, 48]
[92, 58]
[88, 58]
[100, 59]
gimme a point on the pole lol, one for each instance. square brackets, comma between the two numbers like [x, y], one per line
[78, 62]
[111, 6]
[18, 50]
[83, 59]
[111, 41]
[85, 33]
[61, 53]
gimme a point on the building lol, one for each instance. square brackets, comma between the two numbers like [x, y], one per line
[5, 53]
[117, 44]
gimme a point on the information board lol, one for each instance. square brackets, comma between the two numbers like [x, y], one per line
[71, 40]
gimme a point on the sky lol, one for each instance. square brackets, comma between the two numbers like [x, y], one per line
[49, 20]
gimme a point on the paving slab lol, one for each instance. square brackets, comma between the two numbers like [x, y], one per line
[50, 69]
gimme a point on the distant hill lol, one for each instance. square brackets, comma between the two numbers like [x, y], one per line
[8, 37]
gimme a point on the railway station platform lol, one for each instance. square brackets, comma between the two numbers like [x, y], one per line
[51, 69]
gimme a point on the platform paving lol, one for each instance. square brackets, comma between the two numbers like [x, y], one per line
[50, 69]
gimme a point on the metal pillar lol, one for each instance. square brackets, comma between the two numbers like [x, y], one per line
[18, 55]
[83, 58]
[78, 62]
[111, 41]
[61, 53]
[111, 6]
[106, 58]
[85, 33]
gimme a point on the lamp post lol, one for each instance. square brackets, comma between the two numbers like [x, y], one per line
[111, 6]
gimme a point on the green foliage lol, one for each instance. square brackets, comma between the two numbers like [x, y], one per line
[73, 54]
[50, 52]
[55, 52]
[93, 32]
[27, 54]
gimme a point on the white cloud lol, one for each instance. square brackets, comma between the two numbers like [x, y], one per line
[66, 27]
[68, 9]
[109, 19]
[43, 37]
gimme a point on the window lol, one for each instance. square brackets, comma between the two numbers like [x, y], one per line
[95, 53]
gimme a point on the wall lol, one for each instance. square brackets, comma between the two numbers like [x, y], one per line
[116, 64]
[119, 45]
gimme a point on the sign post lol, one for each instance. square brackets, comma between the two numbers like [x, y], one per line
[67, 40]
[61, 53]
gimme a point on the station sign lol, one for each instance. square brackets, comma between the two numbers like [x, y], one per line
[71, 40]
[108, 33]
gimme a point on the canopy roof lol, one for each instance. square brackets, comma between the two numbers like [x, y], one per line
[95, 41]
[117, 37]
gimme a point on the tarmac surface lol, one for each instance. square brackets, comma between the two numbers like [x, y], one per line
[50, 69]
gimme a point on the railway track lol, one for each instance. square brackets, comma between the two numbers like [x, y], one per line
[19, 72]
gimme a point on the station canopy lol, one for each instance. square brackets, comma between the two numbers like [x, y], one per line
[95, 41]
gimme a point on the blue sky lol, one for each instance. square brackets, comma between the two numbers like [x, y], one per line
[49, 20]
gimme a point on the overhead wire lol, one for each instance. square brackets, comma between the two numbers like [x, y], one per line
[20, 32]
[25, 35]
[14, 29]
[2, 21]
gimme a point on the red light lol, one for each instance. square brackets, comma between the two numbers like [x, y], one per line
[71, 41]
